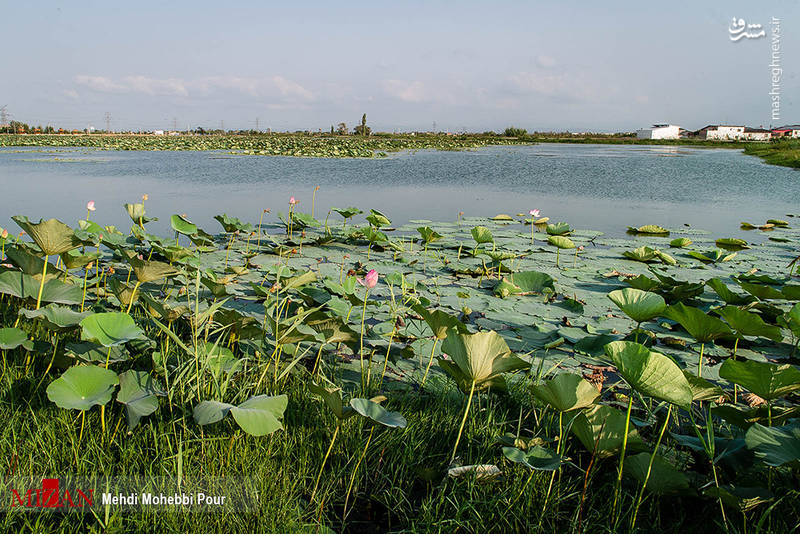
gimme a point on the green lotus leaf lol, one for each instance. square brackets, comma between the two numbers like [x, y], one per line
[502, 217]
[428, 234]
[768, 381]
[701, 326]
[644, 254]
[712, 256]
[680, 242]
[664, 478]
[57, 318]
[138, 392]
[482, 235]
[601, 428]
[775, 446]
[649, 229]
[561, 241]
[11, 338]
[760, 291]
[378, 219]
[743, 499]
[594, 345]
[726, 294]
[377, 413]
[332, 396]
[150, 270]
[537, 458]
[83, 386]
[525, 283]
[560, 228]
[348, 213]
[650, 373]
[110, 329]
[440, 322]
[30, 263]
[208, 412]
[232, 224]
[182, 225]
[566, 392]
[299, 280]
[639, 305]
[260, 415]
[702, 389]
[52, 236]
[745, 323]
[95, 353]
[778, 222]
[24, 286]
[643, 282]
[732, 244]
[75, 260]
[137, 213]
[167, 310]
[478, 358]
[745, 417]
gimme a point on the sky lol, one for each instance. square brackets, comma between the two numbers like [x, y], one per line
[465, 66]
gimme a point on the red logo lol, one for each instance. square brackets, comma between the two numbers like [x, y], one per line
[50, 495]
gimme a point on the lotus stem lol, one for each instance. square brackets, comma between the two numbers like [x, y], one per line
[430, 361]
[313, 200]
[355, 471]
[618, 485]
[324, 460]
[650, 467]
[463, 421]
[83, 419]
[85, 277]
[700, 361]
[558, 250]
[361, 349]
[41, 284]
[133, 295]
[533, 229]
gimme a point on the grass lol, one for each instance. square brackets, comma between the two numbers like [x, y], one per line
[785, 152]
[394, 489]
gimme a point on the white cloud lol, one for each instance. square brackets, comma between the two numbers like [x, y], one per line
[268, 87]
[405, 90]
[545, 61]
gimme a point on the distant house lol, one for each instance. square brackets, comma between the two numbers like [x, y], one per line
[790, 130]
[722, 132]
[158, 132]
[659, 131]
[756, 134]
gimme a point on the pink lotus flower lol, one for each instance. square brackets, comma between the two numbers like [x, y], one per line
[370, 280]
[90, 205]
[4, 234]
[145, 197]
[534, 213]
[292, 201]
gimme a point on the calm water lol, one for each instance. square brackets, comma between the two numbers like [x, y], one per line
[600, 187]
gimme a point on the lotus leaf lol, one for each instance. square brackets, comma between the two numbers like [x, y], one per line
[664, 478]
[768, 381]
[537, 458]
[775, 446]
[479, 358]
[110, 329]
[82, 387]
[639, 305]
[52, 236]
[138, 392]
[566, 392]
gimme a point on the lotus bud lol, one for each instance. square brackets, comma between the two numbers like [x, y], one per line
[90, 205]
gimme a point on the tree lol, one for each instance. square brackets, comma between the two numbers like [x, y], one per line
[515, 132]
[332, 129]
[362, 129]
[342, 129]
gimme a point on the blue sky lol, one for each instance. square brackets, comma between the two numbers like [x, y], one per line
[611, 66]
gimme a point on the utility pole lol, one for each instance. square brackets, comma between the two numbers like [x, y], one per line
[434, 126]
[108, 122]
[174, 124]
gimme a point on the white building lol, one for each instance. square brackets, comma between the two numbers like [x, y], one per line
[723, 132]
[158, 132]
[790, 130]
[659, 131]
[756, 134]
